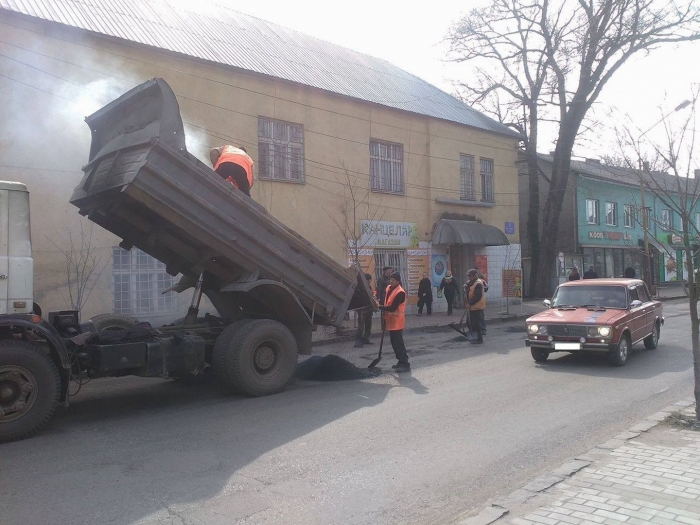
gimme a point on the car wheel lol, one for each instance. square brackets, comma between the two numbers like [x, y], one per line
[652, 341]
[618, 355]
[539, 355]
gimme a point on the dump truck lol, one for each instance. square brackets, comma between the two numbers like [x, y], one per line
[270, 287]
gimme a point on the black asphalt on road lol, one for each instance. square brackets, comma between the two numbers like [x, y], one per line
[469, 423]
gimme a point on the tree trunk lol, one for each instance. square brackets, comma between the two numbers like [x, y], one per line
[552, 208]
[533, 212]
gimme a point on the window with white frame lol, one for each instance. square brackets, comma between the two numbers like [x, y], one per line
[280, 150]
[486, 168]
[138, 281]
[629, 216]
[611, 213]
[386, 166]
[592, 211]
[466, 177]
[697, 223]
[666, 220]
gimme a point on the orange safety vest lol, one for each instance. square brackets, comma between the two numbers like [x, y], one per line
[397, 319]
[482, 302]
[239, 157]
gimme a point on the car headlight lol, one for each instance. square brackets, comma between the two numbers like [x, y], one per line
[533, 328]
[604, 331]
[593, 331]
[542, 330]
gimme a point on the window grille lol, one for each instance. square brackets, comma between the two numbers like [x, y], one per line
[137, 284]
[592, 211]
[394, 258]
[280, 150]
[386, 166]
[486, 180]
[611, 213]
[466, 177]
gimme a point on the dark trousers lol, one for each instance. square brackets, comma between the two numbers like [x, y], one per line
[450, 302]
[237, 173]
[476, 318]
[366, 321]
[428, 303]
[398, 345]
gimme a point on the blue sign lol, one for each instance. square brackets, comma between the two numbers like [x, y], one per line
[510, 228]
[438, 267]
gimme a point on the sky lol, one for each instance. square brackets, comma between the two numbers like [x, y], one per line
[411, 34]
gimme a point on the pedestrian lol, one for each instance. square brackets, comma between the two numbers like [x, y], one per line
[476, 302]
[574, 275]
[233, 164]
[394, 314]
[630, 272]
[590, 273]
[449, 286]
[364, 329]
[425, 295]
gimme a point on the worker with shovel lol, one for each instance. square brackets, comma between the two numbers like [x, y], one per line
[394, 313]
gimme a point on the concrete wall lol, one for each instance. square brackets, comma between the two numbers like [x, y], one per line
[57, 75]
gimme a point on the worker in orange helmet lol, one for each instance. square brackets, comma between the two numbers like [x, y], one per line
[234, 165]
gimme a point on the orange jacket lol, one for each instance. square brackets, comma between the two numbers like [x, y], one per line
[397, 319]
[236, 156]
[481, 303]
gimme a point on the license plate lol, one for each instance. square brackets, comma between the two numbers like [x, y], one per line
[567, 346]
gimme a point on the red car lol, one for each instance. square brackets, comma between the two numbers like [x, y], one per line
[599, 315]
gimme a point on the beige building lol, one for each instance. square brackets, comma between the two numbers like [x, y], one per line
[347, 147]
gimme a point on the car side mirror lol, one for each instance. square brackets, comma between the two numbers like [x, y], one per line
[635, 304]
[547, 303]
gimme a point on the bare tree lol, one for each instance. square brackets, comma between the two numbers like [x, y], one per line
[670, 173]
[83, 267]
[559, 55]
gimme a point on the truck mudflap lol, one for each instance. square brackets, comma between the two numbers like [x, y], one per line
[142, 185]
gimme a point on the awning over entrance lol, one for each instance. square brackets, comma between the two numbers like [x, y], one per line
[450, 231]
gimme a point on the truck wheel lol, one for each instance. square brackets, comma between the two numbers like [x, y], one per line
[539, 355]
[618, 355]
[652, 341]
[220, 354]
[113, 322]
[30, 388]
[258, 360]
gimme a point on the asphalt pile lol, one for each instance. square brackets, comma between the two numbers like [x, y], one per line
[332, 368]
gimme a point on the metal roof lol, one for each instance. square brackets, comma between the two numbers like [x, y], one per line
[219, 34]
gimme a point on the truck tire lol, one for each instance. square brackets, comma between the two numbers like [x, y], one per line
[258, 359]
[618, 354]
[30, 389]
[220, 352]
[113, 322]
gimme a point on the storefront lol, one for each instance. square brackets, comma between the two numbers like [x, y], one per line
[611, 253]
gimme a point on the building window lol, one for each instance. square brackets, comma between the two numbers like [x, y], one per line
[666, 220]
[466, 177]
[629, 216]
[386, 166]
[280, 150]
[611, 213]
[697, 223]
[486, 180]
[138, 281]
[592, 211]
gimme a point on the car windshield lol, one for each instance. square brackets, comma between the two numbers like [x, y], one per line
[591, 296]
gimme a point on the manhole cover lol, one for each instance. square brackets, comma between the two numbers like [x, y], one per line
[332, 368]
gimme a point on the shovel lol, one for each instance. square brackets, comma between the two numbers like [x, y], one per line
[458, 328]
[379, 357]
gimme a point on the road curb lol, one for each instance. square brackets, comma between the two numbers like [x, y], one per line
[502, 506]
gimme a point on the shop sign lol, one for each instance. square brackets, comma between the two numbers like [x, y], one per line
[675, 239]
[610, 236]
[384, 234]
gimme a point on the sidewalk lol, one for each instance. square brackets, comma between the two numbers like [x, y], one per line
[649, 474]
[494, 313]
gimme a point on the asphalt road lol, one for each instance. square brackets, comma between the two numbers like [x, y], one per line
[469, 423]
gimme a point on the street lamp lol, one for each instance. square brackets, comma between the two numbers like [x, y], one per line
[642, 185]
